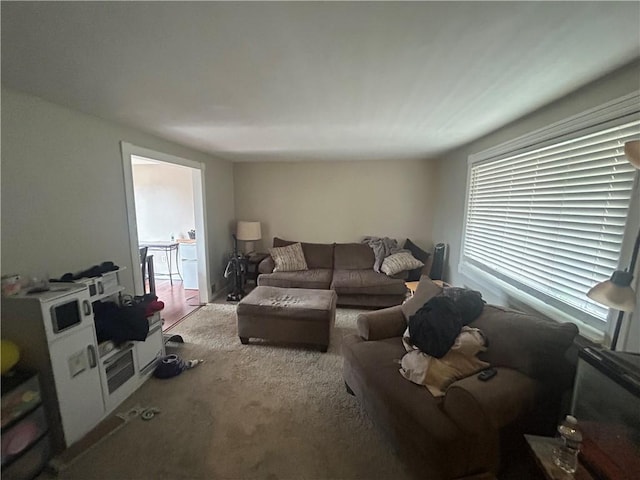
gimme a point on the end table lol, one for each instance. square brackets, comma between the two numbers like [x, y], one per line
[253, 261]
[542, 448]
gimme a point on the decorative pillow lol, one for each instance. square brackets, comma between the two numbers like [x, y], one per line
[425, 291]
[289, 258]
[417, 252]
[399, 262]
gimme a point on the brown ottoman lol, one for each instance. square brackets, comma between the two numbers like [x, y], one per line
[297, 315]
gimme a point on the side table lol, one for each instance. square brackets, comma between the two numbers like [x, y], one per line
[542, 448]
[413, 286]
[253, 261]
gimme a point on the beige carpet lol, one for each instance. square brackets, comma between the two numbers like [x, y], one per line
[250, 411]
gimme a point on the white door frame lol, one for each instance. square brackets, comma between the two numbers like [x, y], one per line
[200, 211]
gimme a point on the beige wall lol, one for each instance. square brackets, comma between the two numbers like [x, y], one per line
[63, 198]
[338, 201]
[448, 219]
[164, 201]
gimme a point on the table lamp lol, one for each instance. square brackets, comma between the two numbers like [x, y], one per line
[248, 232]
[617, 292]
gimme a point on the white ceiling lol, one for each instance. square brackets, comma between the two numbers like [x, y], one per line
[299, 81]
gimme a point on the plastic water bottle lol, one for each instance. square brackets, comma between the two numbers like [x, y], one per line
[566, 453]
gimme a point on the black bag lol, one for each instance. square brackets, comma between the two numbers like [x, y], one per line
[435, 326]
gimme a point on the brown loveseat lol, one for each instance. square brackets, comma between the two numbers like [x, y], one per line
[458, 435]
[346, 268]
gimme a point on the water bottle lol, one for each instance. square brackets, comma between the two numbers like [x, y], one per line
[566, 453]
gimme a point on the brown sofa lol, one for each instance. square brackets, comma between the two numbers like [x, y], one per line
[346, 268]
[458, 435]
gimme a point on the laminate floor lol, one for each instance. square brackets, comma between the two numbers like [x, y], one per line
[178, 301]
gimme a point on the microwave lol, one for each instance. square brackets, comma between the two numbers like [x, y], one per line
[68, 313]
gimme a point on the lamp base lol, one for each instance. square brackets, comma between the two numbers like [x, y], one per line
[248, 247]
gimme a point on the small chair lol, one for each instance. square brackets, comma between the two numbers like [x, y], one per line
[146, 265]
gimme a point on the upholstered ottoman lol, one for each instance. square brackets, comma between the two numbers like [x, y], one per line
[296, 315]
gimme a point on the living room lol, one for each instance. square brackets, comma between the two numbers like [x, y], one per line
[68, 101]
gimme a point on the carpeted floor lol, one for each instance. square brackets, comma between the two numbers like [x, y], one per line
[249, 411]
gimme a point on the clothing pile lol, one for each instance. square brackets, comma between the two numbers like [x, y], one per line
[125, 322]
[94, 271]
[382, 248]
[441, 348]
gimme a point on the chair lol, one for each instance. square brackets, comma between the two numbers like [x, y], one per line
[146, 265]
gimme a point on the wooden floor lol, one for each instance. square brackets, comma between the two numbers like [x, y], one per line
[178, 302]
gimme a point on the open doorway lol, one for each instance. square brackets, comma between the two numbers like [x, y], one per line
[166, 209]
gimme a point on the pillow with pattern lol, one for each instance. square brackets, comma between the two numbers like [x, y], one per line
[289, 258]
[399, 262]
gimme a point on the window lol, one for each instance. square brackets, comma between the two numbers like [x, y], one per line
[548, 218]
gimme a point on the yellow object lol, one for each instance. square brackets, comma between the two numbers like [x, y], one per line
[9, 355]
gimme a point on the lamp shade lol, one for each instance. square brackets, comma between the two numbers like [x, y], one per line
[248, 231]
[615, 292]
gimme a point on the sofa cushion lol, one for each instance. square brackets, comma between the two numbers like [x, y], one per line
[425, 291]
[289, 258]
[366, 282]
[370, 301]
[400, 262]
[317, 255]
[530, 344]
[317, 278]
[417, 252]
[353, 256]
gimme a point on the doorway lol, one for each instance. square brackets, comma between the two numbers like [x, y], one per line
[166, 213]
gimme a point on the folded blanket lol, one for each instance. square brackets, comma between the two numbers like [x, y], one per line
[382, 248]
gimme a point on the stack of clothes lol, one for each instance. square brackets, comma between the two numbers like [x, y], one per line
[441, 348]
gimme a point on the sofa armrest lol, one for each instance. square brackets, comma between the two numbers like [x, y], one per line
[379, 324]
[266, 265]
[476, 406]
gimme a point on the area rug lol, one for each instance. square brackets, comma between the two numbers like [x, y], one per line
[260, 411]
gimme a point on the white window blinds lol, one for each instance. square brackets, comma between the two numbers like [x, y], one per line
[550, 219]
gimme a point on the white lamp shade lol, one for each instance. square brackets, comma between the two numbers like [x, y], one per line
[607, 293]
[248, 231]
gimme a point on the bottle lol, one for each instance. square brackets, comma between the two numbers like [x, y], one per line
[566, 453]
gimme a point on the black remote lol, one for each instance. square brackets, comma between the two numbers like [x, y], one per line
[487, 374]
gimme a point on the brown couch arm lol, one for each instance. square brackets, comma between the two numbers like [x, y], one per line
[379, 324]
[477, 406]
[266, 265]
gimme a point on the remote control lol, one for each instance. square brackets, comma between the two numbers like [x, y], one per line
[487, 374]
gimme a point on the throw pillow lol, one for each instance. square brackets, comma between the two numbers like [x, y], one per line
[399, 262]
[289, 258]
[425, 291]
[417, 252]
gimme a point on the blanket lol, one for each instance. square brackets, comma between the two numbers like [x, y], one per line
[382, 248]
[438, 373]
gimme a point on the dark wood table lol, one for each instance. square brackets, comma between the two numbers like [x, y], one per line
[253, 261]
